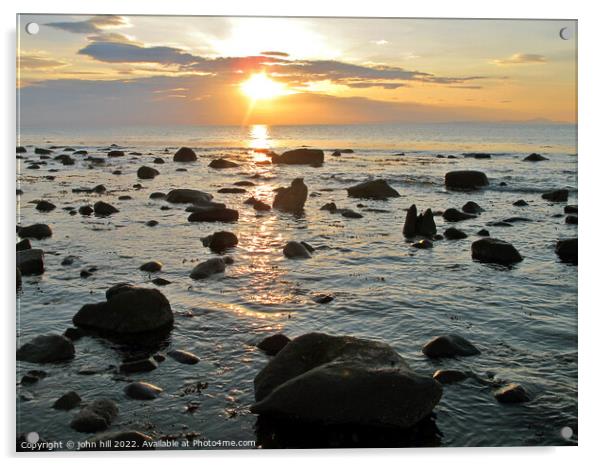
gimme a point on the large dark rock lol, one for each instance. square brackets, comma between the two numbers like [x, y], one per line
[512, 393]
[220, 241]
[103, 209]
[300, 157]
[373, 189]
[23, 245]
[466, 179]
[37, 231]
[116, 153]
[273, 344]
[208, 268]
[96, 416]
[472, 207]
[534, 158]
[21, 150]
[454, 233]
[291, 199]
[128, 310]
[188, 196]
[296, 250]
[151, 266]
[422, 225]
[559, 195]
[344, 380]
[68, 401]
[495, 251]
[213, 214]
[222, 163]
[455, 215]
[46, 348]
[447, 346]
[567, 250]
[184, 154]
[30, 261]
[45, 206]
[147, 173]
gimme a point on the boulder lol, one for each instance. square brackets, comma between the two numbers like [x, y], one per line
[296, 250]
[422, 225]
[222, 163]
[570, 209]
[447, 346]
[30, 261]
[96, 416]
[472, 208]
[511, 393]
[466, 179]
[446, 376]
[41, 151]
[139, 365]
[273, 344]
[344, 380]
[454, 233]
[534, 158]
[520, 203]
[128, 310]
[495, 251]
[291, 199]
[188, 196]
[220, 241]
[571, 220]
[45, 206]
[23, 245]
[103, 209]
[142, 391]
[68, 401]
[147, 173]
[184, 154]
[151, 266]
[86, 210]
[373, 189]
[208, 268]
[300, 157]
[36, 231]
[116, 153]
[455, 215]
[157, 195]
[21, 150]
[567, 250]
[559, 195]
[65, 159]
[158, 160]
[184, 357]
[46, 348]
[213, 214]
[329, 207]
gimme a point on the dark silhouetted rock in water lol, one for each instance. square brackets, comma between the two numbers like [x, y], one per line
[68, 401]
[273, 344]
[520, 203]
[534, 158]
[103, 209]
[142, 391]
[139, 365]
[423, 244]
[296, 250]
[300, 157]
[128, 310]
[21, 150]
[449, 376]
[116, 153]
[160, 281]
[152, 266]
[349, 213]
[447, 346]
[36, 231]
[96, 416]
[472, 208]
[45, 206]
[220, 241]
[213, 214]
[454, 233]
[291, 199]
[188, 196]
[512, 393]
[30, 261]
[373, 189]
[477, 155]
[184, 154]
[119, 441]
[559, 195]
[567, 250]
[222, 163]
[41, 151]
[184, 357]
[455, 215]
[147, 173]
[466, 179]
[495, 251]
[208, 268]
[23, 245]
[324, 378]
[231, 190]
[572, 219]
[330, 207]
[422, 225]
[570, 209]
[46, 348]
[86, 210]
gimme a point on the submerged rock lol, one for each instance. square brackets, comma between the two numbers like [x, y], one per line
[188, 196]
[103, 209]
[567, 250]
[213, 214]
[208, 268]
[116, 153]
[36, 231]
[423, 244]
[184, 357]
[446, 376]
[466, 179]
[495, 251]
[30, 261]
[273, 344]
[96, 416]
[373, 189]
[296, 250]
[220, 241]
[222, 163]
[318, 377]
[300, 157]
[512, 393]
[520, 203]
[151, 266]
[184, 154]
[559, 195]
[446, 346]
[472, 207]
[534, 158]
[46, 348]
[455, 215]
[139, 365]
[454, 233]
[68, 401]
[142, 391]
[291, 199]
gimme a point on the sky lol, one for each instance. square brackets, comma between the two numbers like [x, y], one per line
[150, 70]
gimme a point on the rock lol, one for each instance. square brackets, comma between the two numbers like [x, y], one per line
[213, 214]
[152, 266]
[30, 261]
[373, 189]
[517, 219]
[329, 207]
[560, 195]
[446, 376]
[447, 346]
[244, 183]
[571, 219]
[139, 365]
[188, 196]
[152, 223]
[85, 210]
[477, 155]
[184, 154]
[36, 231]
[73, 333]
[32, 377]
[472, 208]
[291, 199]
[570, 209]
[534, 158]
[520, 203]
[80, 152]
[96, 416]
[68, 401]
[322, 298]
[567, 250]
[65, 159]
[147, 173]
[158, 160]
[300, 157]
[18, 277]
[231, 190]
[184, 357]
[409, 226]
[454, 215]
[296, 250]
[142, 391]
[348, 213]
[422, 225]
[45, 206]
[99, 189]
[222, 163]
[318, 377]
[103, 209]
[512, 393]
[119, 441]
[160, 281]
[261, 206]
[125, 198]
[208, 268]
[273, 344]
[23, 245]
[220, 241]
[157, 195]
[128, 310]
[495, 251]
[423, 244]
[21, 150]
[465, 179]
[39, 150]
[116, 153]
[454, 233]
[46, 348]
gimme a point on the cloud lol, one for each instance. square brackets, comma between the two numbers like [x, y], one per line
[119, 52]
[521, 59]
[380, 42]
[275, 54]
[32, 61]
[93, 25]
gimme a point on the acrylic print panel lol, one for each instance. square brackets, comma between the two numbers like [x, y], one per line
[240, 232]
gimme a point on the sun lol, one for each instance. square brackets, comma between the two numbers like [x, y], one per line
[261, 87]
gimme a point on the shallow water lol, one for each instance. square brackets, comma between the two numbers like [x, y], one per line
[523, 319]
